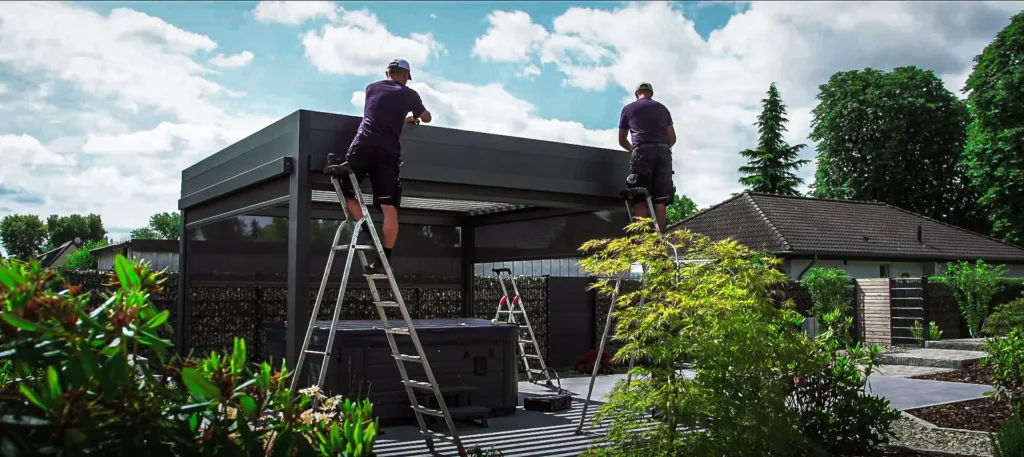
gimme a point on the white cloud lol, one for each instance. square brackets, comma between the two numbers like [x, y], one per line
[529, 72]
[3, 89]
[294, 12]
[713, 87]
[233, 61]
[433, 16]
[110, 109]
[358, 44]
[510, 38]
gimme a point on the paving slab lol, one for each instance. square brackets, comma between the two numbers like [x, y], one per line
[906, 371]
[904, 393]
[939, 358]
[962, 344]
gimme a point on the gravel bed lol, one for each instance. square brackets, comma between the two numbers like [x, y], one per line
[914, 433]
[984, 414]
[974, 374]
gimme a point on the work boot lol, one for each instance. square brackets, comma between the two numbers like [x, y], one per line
[375, 268]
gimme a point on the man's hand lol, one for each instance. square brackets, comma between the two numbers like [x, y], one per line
[412, 120]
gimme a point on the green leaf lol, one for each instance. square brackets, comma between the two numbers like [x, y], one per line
[53, 382]
[33, 397]
[113, 375]
[248, 405]
[10, 278]
[158, 319]
[23, 324]
[198, 385]
[125, 272]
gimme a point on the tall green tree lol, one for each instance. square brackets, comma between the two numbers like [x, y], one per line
[162, 226]
[681, 208]
[994, 155]
[23, 235]
[61, 229]
[771, 167]
[894, 137]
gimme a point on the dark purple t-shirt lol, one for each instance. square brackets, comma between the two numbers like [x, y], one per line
[647, 120]
[387, 105]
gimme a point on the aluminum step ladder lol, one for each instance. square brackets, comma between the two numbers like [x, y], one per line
[352, 248]
[515, 314]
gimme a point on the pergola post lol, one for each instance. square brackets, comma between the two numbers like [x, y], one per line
[468, 263]
[300, 204]
[181, 304]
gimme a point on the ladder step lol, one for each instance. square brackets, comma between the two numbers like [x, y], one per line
[535, 371]
[397, 331]
[445, 390]
[510, 312]
[376, 276]
[461, 411]
[409, 358]
[526, 342]
[359, 247]
[531, 356]
[315, 352]
[436, 436]
[387, 304]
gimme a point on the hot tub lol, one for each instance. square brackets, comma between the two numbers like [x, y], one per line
[473, 360]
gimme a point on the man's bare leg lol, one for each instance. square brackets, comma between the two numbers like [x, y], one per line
[659, 211]
[390, 228]
[354, 209]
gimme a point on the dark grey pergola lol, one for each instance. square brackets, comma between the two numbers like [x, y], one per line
[497, 189]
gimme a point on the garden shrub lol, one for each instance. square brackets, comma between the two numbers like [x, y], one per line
[1007, 316]
[73, 382]
[828, 289]
[1006, 357]
[747, 355]
[974, 287]
[1009, 440]
[82, 259]
[834, 411]
[917, 332]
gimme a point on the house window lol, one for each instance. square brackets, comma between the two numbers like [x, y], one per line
[885, 270]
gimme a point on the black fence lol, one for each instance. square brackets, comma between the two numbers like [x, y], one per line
[942, 308]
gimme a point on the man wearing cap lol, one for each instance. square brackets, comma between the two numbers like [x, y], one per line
[377, 152]
[649, 125]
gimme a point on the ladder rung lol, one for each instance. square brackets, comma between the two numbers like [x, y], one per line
[359, 247]
[397, 331]
[535, 371]
[324, 353]
[504, 311]
[409, 358]
[419, 385]
[526, 342]
[376, 276]
[436, 436]
[387, 304]
[531, 356]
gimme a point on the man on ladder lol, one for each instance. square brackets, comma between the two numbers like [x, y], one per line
[377, 152]
[649, 125]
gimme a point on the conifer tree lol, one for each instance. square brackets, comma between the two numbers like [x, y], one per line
[771, 167]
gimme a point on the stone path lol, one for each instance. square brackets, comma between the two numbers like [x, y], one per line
[939, 358]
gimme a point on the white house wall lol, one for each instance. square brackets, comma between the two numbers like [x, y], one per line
[870, 269]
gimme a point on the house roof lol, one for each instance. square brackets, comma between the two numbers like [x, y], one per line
[802, 225]
[47, 258]
[140, 245]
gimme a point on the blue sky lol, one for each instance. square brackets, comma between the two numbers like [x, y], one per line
[274, 75]
[102, 104]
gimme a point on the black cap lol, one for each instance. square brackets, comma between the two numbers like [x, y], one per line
[643, 86]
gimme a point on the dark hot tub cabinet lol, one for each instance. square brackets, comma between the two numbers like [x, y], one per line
[473, 360]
